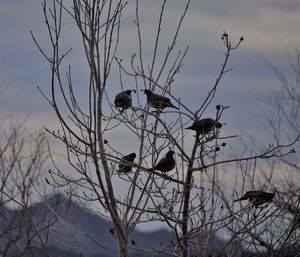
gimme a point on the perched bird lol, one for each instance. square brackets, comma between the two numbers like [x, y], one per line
[257, 197]
[166, 164]
[124, 164]
[204, 126]
[123, 100]
[158, 101]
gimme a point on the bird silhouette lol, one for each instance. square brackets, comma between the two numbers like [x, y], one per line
[123, 100]
[158, 102]
[124, 164]
[257, 197]
[165, 164]
[204, 126]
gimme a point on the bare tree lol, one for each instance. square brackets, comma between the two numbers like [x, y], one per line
[283, 120]
[187, 196]
[272, 229]
[23, 155]
[22, 158]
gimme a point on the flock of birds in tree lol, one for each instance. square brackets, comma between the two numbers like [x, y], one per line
[123, 101]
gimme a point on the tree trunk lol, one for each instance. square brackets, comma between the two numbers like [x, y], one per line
[123, 243]
[186, 203]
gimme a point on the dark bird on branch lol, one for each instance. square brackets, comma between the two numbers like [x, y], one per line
[158, 102]
[166, 164]
[204, 126]
[125, 165]
[124, 100]
[257, 197]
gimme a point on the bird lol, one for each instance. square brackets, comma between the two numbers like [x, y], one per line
[158, 101]
[165, 164]
[124, 164]
[204, 126]
[257, 197]
[124, 100]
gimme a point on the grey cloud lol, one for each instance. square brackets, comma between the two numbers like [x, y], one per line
[268, 26]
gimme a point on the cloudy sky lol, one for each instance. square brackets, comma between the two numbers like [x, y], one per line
[270, 29]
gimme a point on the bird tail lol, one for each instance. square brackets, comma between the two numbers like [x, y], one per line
[173, 106]
[237, 200]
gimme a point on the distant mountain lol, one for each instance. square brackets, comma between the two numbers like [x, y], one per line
[68, 229]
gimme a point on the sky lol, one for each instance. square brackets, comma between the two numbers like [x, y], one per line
[270, 29]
